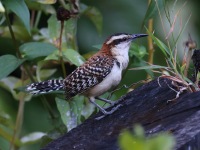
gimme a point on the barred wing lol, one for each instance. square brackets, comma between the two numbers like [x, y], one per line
[88, 75]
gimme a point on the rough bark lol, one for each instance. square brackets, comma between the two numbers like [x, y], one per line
[147, 105]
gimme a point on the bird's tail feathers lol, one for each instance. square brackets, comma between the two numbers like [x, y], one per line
[45, 86]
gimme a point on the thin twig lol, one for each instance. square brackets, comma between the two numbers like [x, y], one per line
[150, 42]
[60, 49]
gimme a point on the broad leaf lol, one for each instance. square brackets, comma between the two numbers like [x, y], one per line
[73, 56]
[68, 117]
[43, 74]
[70, 111]
[21, 10]
[8, 63]
[33, 50]
[53, 27]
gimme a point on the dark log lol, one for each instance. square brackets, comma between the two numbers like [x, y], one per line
[148, 105]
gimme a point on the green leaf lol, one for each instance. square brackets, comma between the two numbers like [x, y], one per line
[69, 55]
[5, 119]
[95, 16]
[20, 33]
[46, 1]
[70, 33]
[149, 67]
[137, 50]
[43, 74]
[21, 10]
[2, 9]
[33, 50]
[160, 44]
[138, 141]
[152, 10]
[163, 141]
[68, 117]
[32, 137]
[73, 56]
[8, 63]
[53, 27]
[70, 111]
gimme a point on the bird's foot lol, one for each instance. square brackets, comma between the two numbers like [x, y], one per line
[105, 113]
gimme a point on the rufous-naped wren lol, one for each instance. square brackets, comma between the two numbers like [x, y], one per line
[100, 73]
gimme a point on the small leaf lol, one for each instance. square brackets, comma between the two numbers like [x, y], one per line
[8, 63]
[33, 50]
[20, 33]
[95, 16]
[152, 10]
[46, 1]
[73, 56]
[5, 119]
[43, 74]
[149, 67]
[2, 9]
[21, 10]
[53, 27]
[11, 84]
[53, 56]
[32, 137]
[160, 44]
[137, 50]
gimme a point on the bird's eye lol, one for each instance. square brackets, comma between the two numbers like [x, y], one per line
[124, 38]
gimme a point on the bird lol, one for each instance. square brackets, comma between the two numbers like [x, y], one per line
[99, 74]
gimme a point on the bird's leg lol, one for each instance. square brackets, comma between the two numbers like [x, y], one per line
[105, 100]
[105, 113]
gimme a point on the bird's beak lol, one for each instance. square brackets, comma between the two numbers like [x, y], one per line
[138, 35]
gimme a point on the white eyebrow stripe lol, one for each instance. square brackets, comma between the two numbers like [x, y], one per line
[116, 37]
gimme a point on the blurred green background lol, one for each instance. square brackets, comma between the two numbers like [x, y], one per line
[118, 17]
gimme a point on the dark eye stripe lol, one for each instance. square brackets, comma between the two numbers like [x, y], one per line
[117, 41]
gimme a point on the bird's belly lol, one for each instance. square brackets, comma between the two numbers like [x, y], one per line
[109, 82]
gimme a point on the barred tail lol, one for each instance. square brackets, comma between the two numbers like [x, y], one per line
[45, 87]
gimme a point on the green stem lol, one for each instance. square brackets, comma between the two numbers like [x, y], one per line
[18, 124]
[12, 35]
[37, 19]
[60, 49]
[21, 103]
[150, 42]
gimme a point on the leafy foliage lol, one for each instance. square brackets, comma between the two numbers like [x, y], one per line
[129, 141]
[10, 63]
[36, 58]
[32, 51]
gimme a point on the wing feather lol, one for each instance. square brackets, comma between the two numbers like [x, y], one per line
[88, 75]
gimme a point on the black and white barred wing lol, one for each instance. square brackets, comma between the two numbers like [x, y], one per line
[88, 75]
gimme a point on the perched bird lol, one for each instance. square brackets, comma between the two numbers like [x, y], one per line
[100, 73]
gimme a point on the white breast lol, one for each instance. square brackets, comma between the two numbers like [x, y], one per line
[120, 52]
[111, 81]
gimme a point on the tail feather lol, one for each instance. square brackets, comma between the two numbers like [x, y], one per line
[45, 87]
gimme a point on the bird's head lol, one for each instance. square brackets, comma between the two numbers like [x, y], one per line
[120, 42]
[122, 39]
